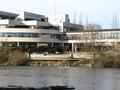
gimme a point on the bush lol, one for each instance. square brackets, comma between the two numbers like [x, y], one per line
[17, 58]
[106, 60]
[3, 55]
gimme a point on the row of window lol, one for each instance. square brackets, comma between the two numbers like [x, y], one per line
[32, 35]
[109, 35]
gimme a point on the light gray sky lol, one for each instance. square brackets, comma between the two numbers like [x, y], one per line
[98, 11]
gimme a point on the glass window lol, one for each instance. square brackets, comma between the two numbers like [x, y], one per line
[20, 35]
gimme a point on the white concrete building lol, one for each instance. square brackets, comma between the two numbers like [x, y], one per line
[36, 30]
[32, 29]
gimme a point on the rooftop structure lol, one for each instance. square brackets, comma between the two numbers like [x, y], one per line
[8, 15]
[33, 16]
[63, 21]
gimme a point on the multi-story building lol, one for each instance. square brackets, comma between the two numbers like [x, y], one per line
[36, 30]
[32, 29]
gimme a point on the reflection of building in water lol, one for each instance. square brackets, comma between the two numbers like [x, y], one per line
[52, 77]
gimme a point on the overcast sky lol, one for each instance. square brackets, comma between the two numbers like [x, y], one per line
[98, 11]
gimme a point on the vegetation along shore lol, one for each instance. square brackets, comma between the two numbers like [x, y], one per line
[17, 57]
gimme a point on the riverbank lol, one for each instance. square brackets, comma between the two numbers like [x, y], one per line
[60, 60]
[80, 59]
[63, 56]
[77, 59]
[61, 63]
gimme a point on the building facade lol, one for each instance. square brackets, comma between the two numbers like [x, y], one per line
[36, 30]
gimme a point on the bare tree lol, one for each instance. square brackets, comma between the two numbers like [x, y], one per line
[115, 22]
[90, 36]
[80, 19]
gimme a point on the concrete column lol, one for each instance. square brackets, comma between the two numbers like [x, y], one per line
[72, 47]
[75, 47]
[18, 44]
[38, 44]
[52, 44]
[63, 45]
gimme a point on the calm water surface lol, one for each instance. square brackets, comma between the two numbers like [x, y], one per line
[80, 78]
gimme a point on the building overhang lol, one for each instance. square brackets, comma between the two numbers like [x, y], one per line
[8, 15]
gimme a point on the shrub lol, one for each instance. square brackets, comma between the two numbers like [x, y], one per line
[17, 58]
[106, 60]
[3, 55]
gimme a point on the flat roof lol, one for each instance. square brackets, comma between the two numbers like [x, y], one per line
[99, 30]
[32, 16]
[8, 15]
[29, 13]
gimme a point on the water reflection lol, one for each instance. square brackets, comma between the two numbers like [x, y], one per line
[80, 78]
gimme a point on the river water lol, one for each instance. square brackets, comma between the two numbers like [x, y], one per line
[79, 77]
